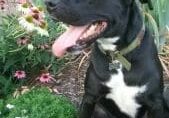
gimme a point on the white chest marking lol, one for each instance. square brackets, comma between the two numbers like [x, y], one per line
[107, 43]
[124, 96]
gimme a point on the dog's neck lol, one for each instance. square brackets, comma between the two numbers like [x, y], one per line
[131, 30]
[130, 39]
[135, 23]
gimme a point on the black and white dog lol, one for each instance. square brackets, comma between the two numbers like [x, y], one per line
[126, 87]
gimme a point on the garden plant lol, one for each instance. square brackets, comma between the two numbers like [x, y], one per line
[26, 36]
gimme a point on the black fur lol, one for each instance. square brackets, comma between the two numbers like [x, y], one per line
[124, 20]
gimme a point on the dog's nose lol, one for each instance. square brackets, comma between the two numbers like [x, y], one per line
[51, 3]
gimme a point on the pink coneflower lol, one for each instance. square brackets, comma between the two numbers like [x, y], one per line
[20, 74]
[45, 78]
[33, 18]
[23, 41]
[2, 4]
[43, 46]
[22, 1]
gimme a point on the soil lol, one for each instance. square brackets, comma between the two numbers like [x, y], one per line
[70, 79]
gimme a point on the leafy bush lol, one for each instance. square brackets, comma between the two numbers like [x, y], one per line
[6, 86]
[25, 51]
[33, 56]
[157, 19]
[15, 56]
[39, 103]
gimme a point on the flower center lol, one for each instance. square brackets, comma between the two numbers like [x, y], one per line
[45, 77]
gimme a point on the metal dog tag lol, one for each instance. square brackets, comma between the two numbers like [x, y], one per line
[114, 65]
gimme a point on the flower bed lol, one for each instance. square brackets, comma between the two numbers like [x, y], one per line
[25, 55]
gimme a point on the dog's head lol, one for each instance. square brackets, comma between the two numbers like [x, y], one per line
[88, 20]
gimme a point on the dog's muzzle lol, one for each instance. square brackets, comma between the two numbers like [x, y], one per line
[76, 38]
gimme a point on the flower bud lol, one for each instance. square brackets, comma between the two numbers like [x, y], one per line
[30, 47]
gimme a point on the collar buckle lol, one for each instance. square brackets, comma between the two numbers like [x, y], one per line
[119, 55]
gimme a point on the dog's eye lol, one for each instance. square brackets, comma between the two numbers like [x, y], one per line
[77, 1]
[91, 2]
[95, 2]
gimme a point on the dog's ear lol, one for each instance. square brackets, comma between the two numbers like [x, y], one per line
[128, 2]
[149, 2]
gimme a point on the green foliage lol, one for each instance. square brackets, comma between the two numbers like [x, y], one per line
[39, 103]
[158, 21]
[15, 56]
[18, 57]
[39, 2]
[6, 86]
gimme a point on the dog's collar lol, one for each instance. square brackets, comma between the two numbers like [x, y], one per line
[119, 55]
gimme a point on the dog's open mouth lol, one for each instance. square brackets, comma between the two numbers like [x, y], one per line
[76, 38]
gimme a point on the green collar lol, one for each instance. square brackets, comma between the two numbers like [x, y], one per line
[119, 55]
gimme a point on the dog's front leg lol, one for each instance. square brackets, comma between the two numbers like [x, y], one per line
[156, 109]
[87, 106]
[156, 113]
[92, 88]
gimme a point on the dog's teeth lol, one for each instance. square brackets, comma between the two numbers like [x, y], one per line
[89, 32]
[92, 28]
[85, 35]
[93, 31]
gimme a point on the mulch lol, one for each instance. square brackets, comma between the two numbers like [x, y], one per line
[70, 79]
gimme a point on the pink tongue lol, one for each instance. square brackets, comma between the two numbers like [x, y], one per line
[67, 39]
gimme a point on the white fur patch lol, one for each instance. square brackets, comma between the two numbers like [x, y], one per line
[123, 95]
[107, 43]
